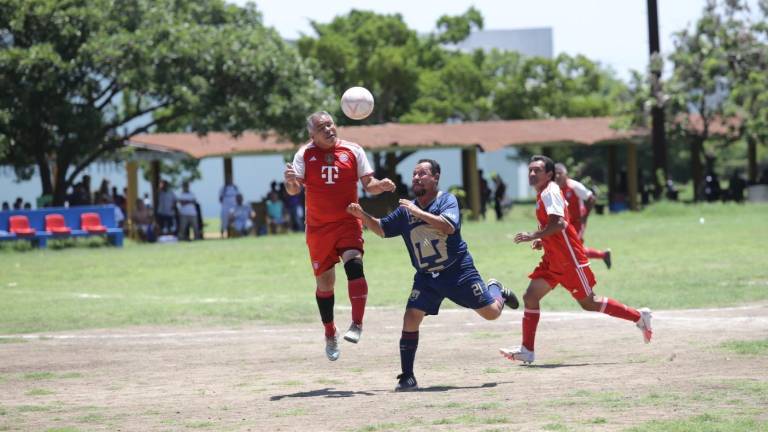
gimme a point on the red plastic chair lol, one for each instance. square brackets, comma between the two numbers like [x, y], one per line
[54, 223]
[91, 222]
[19, 225]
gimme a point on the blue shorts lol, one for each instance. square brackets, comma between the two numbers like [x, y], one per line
[460, 282]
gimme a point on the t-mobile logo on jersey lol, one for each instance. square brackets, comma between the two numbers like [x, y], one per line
[329, 173]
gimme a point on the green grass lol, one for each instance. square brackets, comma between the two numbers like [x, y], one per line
[663, 258]
[704, 423]
[747, 347]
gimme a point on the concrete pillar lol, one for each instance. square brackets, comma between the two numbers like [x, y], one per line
[613, 169]
[471, 180]
[132, 186]
[632, 175]
[228, 170]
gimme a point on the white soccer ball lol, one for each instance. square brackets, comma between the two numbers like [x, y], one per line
[357, 103]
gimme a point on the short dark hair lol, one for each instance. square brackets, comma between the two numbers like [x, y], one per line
[435, 167]
[549, 164]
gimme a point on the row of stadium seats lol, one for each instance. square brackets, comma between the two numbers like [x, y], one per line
[28, 225]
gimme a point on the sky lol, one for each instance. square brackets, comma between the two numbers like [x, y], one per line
[613, 32]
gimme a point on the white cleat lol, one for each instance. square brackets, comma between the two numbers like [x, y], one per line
[332, 347]
[519, 353]
[354, 333]
[644, 324]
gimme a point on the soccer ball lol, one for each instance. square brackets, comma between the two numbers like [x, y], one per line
[357, 103]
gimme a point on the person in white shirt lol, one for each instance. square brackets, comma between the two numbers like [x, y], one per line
[187, 213]
[228, 199]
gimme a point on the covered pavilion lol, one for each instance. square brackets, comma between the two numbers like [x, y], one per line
[391, 138]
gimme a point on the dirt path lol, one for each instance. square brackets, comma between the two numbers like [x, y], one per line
[592, 373]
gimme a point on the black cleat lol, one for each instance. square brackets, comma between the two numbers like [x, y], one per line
[406, 383]
[510, 299]
[607, 258]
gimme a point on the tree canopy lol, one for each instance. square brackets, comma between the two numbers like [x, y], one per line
[77, 77]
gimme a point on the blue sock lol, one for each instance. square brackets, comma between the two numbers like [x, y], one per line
[409, 341]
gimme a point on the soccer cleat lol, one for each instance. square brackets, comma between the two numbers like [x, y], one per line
[354, 333]
[406, 383]
[607, 258]
[644, 324]
[519, 353]
[332, 347]
[510, 299]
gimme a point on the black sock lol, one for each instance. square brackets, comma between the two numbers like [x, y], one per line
[325, 304]
[409, 341]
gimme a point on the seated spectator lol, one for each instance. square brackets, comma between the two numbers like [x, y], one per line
[27, 206]
[275, 213]
[240, 218]
[144, 222]
[6, 206]
[18, 203]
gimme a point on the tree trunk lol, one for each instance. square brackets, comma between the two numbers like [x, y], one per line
[697, 176]
[752, 158]
[45, 175]
[60, 190]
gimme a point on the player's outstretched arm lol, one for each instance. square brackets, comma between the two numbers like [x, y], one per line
[292, 183]
[369, 221]
[555, 224]
[375, 186]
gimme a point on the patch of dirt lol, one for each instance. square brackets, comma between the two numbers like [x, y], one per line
[592, 372]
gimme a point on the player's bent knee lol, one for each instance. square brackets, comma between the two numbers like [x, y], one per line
[354, 269]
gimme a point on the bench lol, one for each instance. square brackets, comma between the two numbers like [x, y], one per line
[72, 220]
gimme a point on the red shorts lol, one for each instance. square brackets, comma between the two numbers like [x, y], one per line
[577, 280]
[327, 242]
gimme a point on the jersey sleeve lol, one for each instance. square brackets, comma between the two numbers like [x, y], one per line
[581, 191]
[553, 201]
[449, 211]
[363, 165]
[298, 163]
[394, 223]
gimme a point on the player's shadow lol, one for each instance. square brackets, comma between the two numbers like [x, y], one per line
[326, 392]
[449, 388]
[565, 365]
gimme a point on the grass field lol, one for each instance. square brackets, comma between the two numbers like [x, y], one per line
[223, 335]
[668, 256]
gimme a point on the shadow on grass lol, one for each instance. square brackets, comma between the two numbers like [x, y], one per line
[326, 392]
[565, 365]
[331, 393]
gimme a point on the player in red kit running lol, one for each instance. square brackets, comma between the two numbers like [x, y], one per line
[564, 263]
[580, 201]
[329, 169]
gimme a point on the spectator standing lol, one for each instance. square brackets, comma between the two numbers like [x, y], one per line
[498, 196]
[166, 205]
[187, 213]
[228, 199]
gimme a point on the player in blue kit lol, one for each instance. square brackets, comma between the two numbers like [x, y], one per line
[430, 225]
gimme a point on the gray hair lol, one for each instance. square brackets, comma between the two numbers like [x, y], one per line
[314, 116]
[562, 167]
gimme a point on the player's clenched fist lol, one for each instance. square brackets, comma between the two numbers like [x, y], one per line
[388, 185]
[355, 210]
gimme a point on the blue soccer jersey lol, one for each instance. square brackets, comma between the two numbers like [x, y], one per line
[431, 250]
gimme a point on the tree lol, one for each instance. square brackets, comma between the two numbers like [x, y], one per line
[561, 87]
[747, 57]
[78, 77]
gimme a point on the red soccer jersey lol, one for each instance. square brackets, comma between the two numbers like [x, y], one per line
[575, 194]
[564, 248]
[330, 178]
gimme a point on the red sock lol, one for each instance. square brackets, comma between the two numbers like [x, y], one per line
[594, 253]
[358, 293]
[330, 329]
[618, 310]
[530, 322]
